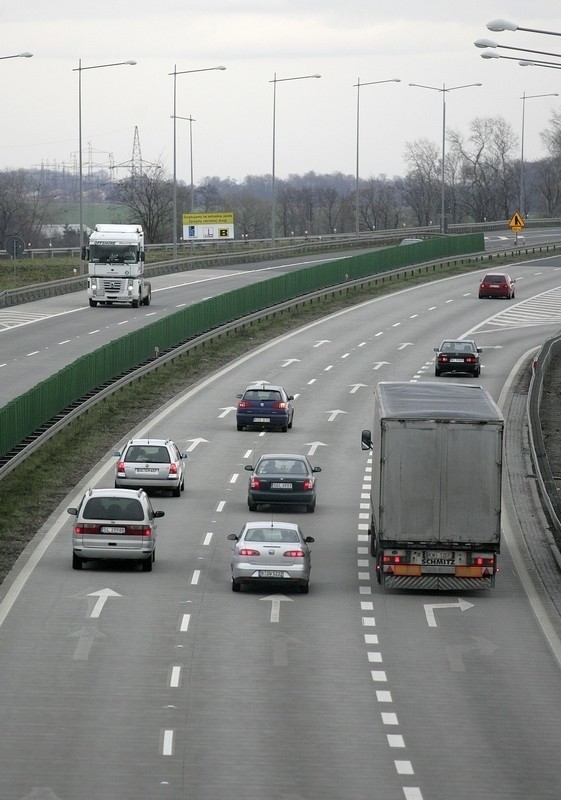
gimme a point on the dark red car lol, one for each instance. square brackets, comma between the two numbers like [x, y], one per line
[497, 284]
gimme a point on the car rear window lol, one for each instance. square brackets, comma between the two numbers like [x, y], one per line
[281, 465]
[150, 453]
[113, 508]
[494, 279]
[262, 396]
[271, 535]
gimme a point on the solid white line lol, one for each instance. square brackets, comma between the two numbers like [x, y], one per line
[175, 675]
[185, 622]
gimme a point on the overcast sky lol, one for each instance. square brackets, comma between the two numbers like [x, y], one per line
[428, 42]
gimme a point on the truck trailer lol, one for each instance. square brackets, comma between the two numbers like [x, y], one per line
[437, 455]
[115, 256]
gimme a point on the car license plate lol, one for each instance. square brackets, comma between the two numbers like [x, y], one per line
[144, 470]
[494, 286]
[112, 529]
[281, 486]
[456, 360]
[271, 573]
[261, 419]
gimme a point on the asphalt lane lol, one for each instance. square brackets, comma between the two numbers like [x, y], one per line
[169, 685]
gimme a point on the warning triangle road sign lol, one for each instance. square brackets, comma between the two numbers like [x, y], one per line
[516, 221]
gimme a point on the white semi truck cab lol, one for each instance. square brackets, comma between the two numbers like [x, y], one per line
[115, 256]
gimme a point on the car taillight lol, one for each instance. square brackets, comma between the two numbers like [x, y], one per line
[470, 360]
[85, 528]
[173, 469]
[308, 484]
[442, 359]
[254, 483]
[121, 467]
[244, 404]
[247, 551]
[280, 405]
[294, 554]
[139, 530]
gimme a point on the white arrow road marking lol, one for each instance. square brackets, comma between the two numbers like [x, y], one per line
[86, 637]
[378, 364]
[333, 413]
[102, 596]
[403, 345]
[290, 361]
[356, 386]
[463, 605]
[226, 410]
[276, 600]
[314, 446]
[322, 341]
[195, 442]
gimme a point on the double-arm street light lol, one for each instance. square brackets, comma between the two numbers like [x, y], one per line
[358, 85]
[273, 188]
[522, 197]
[79, 69]
[444, 90]
[175, 73]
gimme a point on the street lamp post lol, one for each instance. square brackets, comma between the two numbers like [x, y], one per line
[522, 197]
[273, 188]
[79, 69]
[190, 120]
[175, 73]
[357, 85]
[444, 90]
[522, 62]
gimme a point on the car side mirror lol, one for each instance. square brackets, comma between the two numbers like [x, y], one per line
[233, 537]
[159, 513]
[291, 397]
[248, 467]
[239, 395]
[316, 469]
[183, 455]
[309, 539]
[366, 440]
[73, 511]
[435, 349]
[116, 453]
[479, 350]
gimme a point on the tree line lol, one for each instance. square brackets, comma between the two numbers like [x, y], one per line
[484, 180]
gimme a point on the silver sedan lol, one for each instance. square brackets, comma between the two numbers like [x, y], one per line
[271, 552]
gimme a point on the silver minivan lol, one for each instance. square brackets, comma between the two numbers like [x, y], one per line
[114, 524]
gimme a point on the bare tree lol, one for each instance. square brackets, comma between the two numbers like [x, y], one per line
[421, 187]
[23, 207]
[149, 198]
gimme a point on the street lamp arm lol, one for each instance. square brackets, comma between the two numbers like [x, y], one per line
[505, 25]
[489, 43]
[188, 71]
[524, 63]
[101, 66]
[297, 78]
[18, 55]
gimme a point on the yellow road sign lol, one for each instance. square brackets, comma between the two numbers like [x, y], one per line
[516, 222]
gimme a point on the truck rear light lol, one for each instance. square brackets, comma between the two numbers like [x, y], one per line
[247, 551]
[254, 483]
[393, 559]
[483, 560]
[294, 554]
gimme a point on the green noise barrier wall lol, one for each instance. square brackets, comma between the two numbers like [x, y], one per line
[24, 415]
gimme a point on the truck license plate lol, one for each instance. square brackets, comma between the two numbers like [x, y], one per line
[438, 557]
